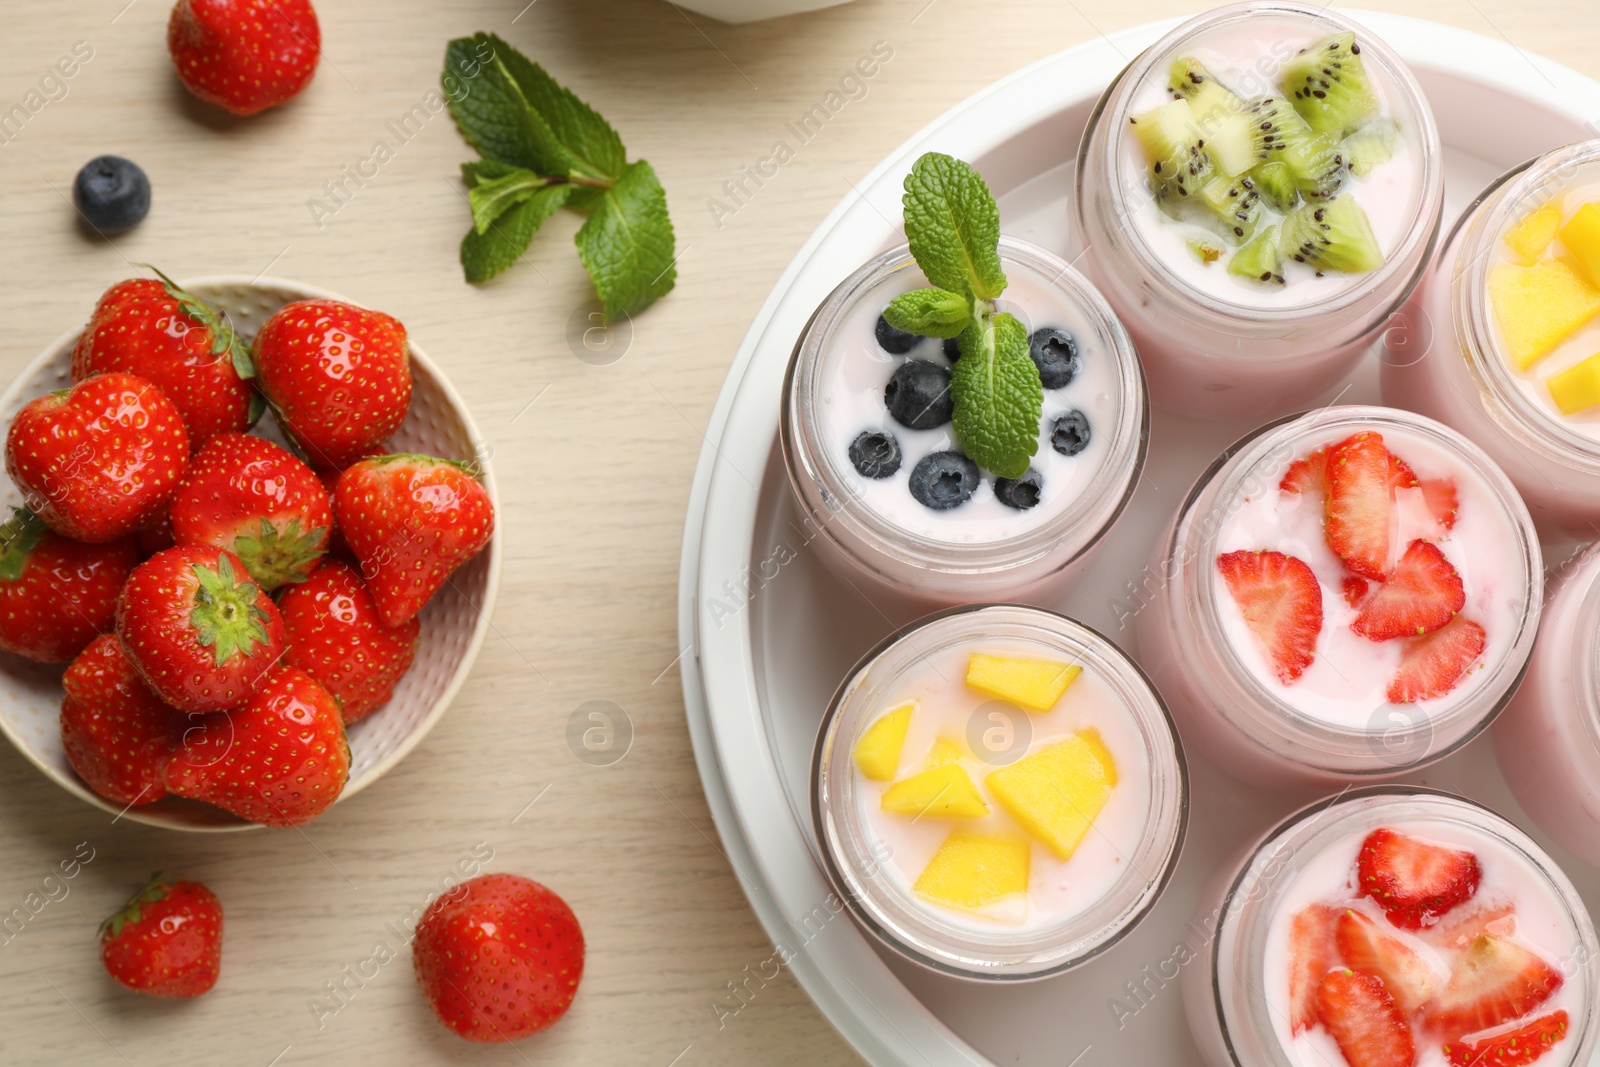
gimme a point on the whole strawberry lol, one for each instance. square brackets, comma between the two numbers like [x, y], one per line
[499, 957]
[99, 460]
[410, 521]
[249, 496]
[118, 735]
[280, 759]
[166, 941]
[198, 630]
[57, 594]
[184, 346]
[244, 55]
[338, 378]
[334, 634]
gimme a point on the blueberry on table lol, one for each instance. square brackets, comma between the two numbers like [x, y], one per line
[893, 340]
[1069, 433]
[918, 395]
[1020, 493]
[875, 454]
[1055, 353]
[112, 193]
[943, 480]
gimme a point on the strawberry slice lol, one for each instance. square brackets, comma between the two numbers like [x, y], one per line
[1282, 604]
[1360, 502]
[1401, 476]
[1493, 982]
[1405, 974]
[1422, 594]
[1442, 499]
[1365, 1021]
[1415, 883]
[1522, 1045]
[1307, 475]
[1498, 920]
[1432, 666]
[1312, 954]
[1354, 589]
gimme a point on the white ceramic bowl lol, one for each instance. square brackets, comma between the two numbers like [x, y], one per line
[453, 624]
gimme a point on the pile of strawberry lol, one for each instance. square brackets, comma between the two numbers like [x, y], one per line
[1418, 598]
[1376, 985]
[157, 532]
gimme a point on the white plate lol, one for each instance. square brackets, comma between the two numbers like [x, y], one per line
[454, 622]
[771, 648]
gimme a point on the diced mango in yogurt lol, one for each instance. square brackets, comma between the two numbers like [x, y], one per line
[1532, 234]
[972, 870]
[1035, 684]
[1580, 236]
[944, 751]
[1540, 306]
[1577, 387]
[1056, 793]
[878, 751]
[944, 791]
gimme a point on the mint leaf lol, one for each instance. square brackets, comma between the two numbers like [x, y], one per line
[594, 147]
[626, 244]
[998, 398]
[482, 171]
[485, 254]
[494, 198]
[929, 313]
[491, 112]
[953, 226]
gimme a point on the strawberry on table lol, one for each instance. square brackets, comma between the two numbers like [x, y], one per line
[1493, 982]
[249, 496]
[280, 759]
[185, 347]
[1313, 952]
[1431, 666]
[1360, 499]
[1510, 1048]
[1282, 604]
[199, 631]
[1413, 881]
[338, 378]
[334, 634]
[117, 734]
[166, 941]
[410, 520]
[1422, 594]
[244, 55]
[56, 594]
[499, 957]
[1364, 1020]
[1404, 973]
[99, 460]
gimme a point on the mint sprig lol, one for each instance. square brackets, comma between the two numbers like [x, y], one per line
[544, 149]
[953, 226]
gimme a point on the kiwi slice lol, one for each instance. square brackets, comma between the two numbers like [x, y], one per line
[1276, 184]
[1316, 163]
[1207, 252]
[1235, 205]
[1259, 260]
[1331, 235]
[1219, 114]
[1171, 141]
[1370, 146]
[1328, 85]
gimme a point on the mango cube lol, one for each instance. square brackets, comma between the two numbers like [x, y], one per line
[1035, 684]
[1534, 231]
[1577, 387]
[1056, 793]
[1581, 237]
[946, 791]
[973, 869]
[1540, 306]
[878, 751]
[943, 752]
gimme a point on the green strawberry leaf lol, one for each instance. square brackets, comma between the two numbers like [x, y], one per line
[487, 253]
[997, 395]
[225, 616]
[588, 139]
[626, 243]
[492, 113]
[18, 538]
[953, 226]
[153, 890]
[929, 313]
[224, 341]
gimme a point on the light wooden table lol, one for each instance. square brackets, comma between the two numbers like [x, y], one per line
[595, 463]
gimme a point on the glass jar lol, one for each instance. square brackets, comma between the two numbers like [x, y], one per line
[1314, 736]
[1075, 911]
[1214, 346]
[872, 532]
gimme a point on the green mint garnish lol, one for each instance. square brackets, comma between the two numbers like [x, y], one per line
[544, 149]
[953, 226]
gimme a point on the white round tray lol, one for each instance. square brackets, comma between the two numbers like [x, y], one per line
[770, 643]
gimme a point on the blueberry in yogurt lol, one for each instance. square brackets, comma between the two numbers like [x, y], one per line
[944, 480]
[1055, 353]
[875, 454]
[918, 395]
[895, 341]
[1020, 493]
[1069, 433]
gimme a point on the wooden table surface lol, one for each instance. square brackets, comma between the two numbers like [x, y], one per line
[594, 463]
